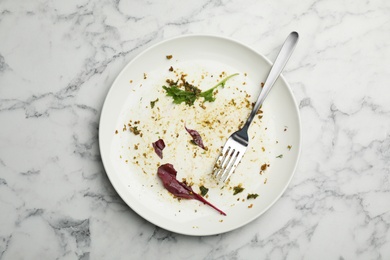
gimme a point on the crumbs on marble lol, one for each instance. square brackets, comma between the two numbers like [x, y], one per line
[169, 57]
[250, 206]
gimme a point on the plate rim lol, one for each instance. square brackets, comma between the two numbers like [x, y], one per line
[105, 160]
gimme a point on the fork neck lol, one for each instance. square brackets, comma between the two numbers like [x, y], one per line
[254, 111]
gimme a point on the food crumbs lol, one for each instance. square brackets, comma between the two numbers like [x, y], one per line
[289, 147]
[237, 189]
[279, 156]
[221, 220]
[203, 190]
[116, 132]
[153, 103]
[169, 57]
[252, 196]
[135, 130]
[250, 206]
[265, 181]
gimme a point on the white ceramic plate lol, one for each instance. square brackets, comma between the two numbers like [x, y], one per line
[131, 163]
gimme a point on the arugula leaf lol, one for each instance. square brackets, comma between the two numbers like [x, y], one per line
[208, 94]
[179, 95]
[191, 93]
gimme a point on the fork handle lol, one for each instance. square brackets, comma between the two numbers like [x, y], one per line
[281, 60]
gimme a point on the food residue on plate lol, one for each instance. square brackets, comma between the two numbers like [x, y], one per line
[252, 196]
[238, 189]
[171, 107]
[167, 174]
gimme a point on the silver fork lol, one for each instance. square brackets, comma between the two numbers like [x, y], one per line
[235, 147]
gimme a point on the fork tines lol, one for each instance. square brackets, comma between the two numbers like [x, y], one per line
[227, 162]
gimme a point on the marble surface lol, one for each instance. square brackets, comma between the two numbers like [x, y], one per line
[58, 60]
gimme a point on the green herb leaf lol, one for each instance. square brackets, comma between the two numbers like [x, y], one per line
[237, 189]
[252, 196]
[203, 190]
[153, 103]
[180, 96]
[191, 93]
[279, 156]
[208, 94]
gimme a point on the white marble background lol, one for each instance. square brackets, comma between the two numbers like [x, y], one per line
[59, 58]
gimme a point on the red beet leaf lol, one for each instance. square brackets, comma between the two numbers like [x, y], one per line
[159, 146]
[167, 174]
[196, 138]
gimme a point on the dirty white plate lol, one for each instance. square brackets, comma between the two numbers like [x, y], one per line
[131, 163]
